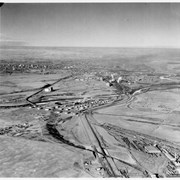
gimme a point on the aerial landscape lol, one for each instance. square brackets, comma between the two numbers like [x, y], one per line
[88, 111]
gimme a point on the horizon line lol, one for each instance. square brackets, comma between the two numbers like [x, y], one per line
[143, 47]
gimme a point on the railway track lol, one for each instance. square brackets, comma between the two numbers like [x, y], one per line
[97, 149]
[110, 162]
[95, 139]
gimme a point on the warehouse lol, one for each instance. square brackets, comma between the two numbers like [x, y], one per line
[152, 150]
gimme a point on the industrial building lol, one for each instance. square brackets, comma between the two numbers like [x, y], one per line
[152, 150]
[48, 89]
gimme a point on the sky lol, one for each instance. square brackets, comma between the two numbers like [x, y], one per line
[91, 24]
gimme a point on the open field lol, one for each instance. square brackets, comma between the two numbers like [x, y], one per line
[89, 112]
[152, 113]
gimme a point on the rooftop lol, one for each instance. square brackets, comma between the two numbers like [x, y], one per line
[152, 149]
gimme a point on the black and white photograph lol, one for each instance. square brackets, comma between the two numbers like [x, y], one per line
[90, 90]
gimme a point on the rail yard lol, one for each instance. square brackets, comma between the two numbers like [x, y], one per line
[88, 120]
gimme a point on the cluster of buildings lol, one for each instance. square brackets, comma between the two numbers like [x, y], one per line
[174, 161]
[15, 130]
[172, 170]
[24, 66]
[155, 149]
[69, 67]
[173, 167]
[89, 78]
[74, 108]
[132, 79]
[118, 80]
[20, 66]
[77, 107]
[141, 146]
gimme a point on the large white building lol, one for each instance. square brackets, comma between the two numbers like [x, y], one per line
[48, 89]
[152, 150]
